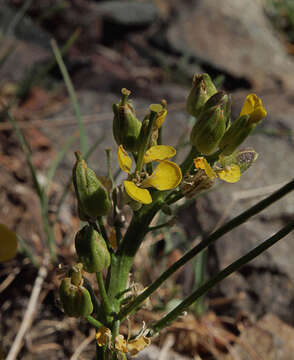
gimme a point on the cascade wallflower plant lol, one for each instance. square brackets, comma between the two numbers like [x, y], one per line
[166, 176]
[229, 173]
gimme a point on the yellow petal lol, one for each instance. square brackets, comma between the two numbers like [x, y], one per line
[103, 336]
[159, 153]
[121, 344]
[160, 119]
[230, 174]
[254, 108]
[166, 176]
[125, 162]
[8, 243]
[202, 163]
[137, 345]
[141, 195]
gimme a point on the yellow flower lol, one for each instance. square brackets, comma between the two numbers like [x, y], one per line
[167, 175]
[133, 347]
[137, 345]
[160, 119]
[121, 344]
[8, 243]
[103, 336]
[254, 108]
[229, 173]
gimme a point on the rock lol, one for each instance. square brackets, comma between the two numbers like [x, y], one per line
[270, 339]
[129, 13]
[24, 29]
[234, 37]
[14, 70]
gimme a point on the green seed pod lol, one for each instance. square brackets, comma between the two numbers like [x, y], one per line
[126, 126]
[76, 300]
[92, 250]
[239, 130]
[202, 89]
[93, 199]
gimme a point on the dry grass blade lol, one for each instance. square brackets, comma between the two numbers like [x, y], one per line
[30, 311]
[83, 345]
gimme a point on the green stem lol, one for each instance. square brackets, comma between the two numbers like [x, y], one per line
[188, 162]
[174, 196]
[109, 165]
[123, 259]
[115, 330]
[102, 228]
[154, 110]
[236, 265]
[213, 157]
[230, 225]
[200, 266]
[98, 311]
[97, 324]
[104, 298]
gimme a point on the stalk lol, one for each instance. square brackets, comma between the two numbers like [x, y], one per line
[122, 261]
[230, 225]
[235, 266]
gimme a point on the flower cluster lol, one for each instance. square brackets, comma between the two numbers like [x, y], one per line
[132, 347]
[167, 174]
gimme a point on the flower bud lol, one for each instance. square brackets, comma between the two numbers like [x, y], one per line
[93, 199]
[126, 126]
[202, 89]
[239, 130]
[92, 250]
[211, 125]
[251, 114]
[76, 300]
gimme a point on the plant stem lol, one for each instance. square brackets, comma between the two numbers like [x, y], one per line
[188, 162]
[115, 331]
[102, 228]
[200, 267]
[98, 311]
[104, 298]
[230, 225]
[236, 265]
[97, 324]
[122, 261]
[109, 165]
[154, 110]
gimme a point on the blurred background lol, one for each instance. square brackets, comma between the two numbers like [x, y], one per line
[153, 48]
